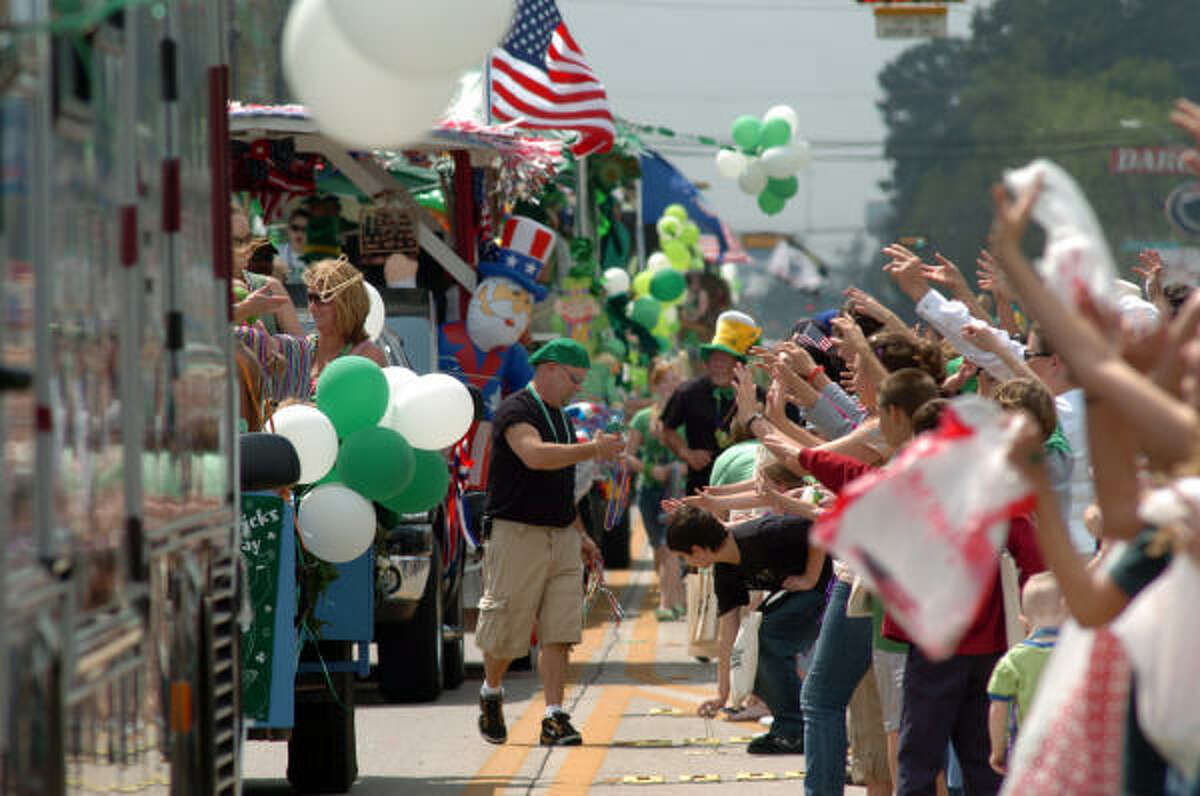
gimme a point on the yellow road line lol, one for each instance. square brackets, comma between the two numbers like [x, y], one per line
[497, 773]
[579, 769]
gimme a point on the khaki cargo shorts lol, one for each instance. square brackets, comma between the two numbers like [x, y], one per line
[530, 572]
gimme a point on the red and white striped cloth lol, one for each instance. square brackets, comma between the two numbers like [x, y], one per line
[539, 79]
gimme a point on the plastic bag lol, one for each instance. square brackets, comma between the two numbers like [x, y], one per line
[1076, 251]
[1161, 635]
[1071, 742]
[925, 531]
[743, 660]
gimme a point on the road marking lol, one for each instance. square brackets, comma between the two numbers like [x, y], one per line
[500, 769]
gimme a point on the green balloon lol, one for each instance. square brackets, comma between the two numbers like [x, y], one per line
[747, 132]
[776, 132]
[669, 227]
[375, 462]
[614, 346]
[770, 203]
[641, 283]
[664, 343]
[677, 252]
[690, 234]
[667, 284]
[353, 393]
[431, 479]
[645, 311]
[785, 188]
[676, 211]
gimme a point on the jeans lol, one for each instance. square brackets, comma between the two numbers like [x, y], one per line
[649, 500]
[945, 701]
[841, 658]
[789, 626]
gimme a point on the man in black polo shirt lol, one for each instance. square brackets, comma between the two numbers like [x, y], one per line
[532, 569]
[771, 553]
[705, 405]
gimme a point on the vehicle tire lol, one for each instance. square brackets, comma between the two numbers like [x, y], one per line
[410, 653]
[454, 665]
[322, 756]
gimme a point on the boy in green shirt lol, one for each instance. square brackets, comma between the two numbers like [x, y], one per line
[1015, 678]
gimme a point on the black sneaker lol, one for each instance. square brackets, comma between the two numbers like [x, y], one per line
[769, 744]
[491, 718]
[557, 731]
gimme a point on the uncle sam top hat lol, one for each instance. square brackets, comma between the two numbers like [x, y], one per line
[525, 246]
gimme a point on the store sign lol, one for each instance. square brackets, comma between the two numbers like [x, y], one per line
[910, 22]
[1146, 160]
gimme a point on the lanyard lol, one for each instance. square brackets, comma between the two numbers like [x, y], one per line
[546, 413]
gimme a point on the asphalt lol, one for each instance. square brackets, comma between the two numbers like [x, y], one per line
[633, 692]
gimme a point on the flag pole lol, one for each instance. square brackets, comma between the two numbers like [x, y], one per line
[583, 222]
[640, 235]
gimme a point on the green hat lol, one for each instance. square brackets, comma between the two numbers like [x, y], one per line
[563, 350]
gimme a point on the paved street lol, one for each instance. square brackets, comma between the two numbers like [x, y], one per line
[633, 694]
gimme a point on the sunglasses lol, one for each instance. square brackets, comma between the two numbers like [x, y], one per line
[1028, 355]
[576, 380]
[297, 228]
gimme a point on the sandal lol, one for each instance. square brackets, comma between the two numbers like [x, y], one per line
[664, 614]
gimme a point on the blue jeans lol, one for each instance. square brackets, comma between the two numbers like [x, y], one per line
[649, 501]
[789, 626]
[842, 657]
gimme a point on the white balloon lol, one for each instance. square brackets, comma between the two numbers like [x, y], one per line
[779, 162]
[350, 98]
[420, 37]
[753, 177]
[398, 377]
[730, 163]
[373, 323]
[785, 112]
[336, 523]
[801, 155]
[616, 281]
[729, 272]
[657, 262]
[434, 411]
[312, 435]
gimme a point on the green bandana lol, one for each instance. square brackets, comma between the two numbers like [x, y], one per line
[563, 350]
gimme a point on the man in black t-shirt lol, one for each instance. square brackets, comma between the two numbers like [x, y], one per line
[770, 553]
[531, 568]
[705, 406]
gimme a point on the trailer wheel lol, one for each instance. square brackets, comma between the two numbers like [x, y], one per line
[410, 653]
[322, 756]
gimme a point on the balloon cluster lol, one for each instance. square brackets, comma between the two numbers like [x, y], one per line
[766, 157]
[378, 73]
[374, 435]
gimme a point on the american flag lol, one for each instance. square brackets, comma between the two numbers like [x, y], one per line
[813, 336]
[538, 78]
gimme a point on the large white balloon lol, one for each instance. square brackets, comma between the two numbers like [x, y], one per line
[352, 99]
[312, 435]
[753, 177]
[434, 411]
[785, 112]
[730, 163]
[616, 281]
[336, 523]
[779, 162]
[373, 324]
[398, 377]
[423, 37]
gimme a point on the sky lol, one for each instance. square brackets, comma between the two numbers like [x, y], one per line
[695, 65]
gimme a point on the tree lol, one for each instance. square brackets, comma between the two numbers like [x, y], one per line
[1050, 78]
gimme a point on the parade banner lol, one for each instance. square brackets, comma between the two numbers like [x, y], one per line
[263, 524]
